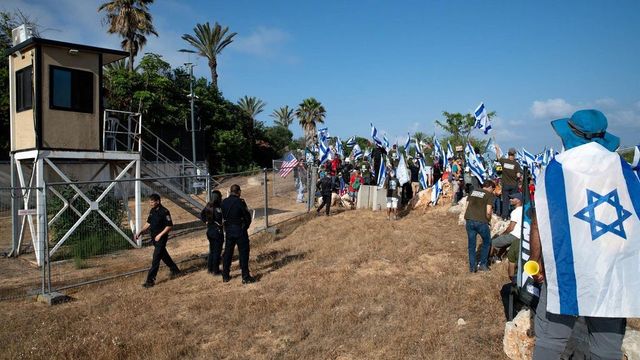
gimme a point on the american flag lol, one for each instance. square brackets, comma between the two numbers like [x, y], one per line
[290, 162]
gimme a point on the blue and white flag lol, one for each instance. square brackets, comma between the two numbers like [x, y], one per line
[385, 142]
[449, 155]
[374, 135]
[357, 152]
[382, 174]
[402, 173]
[324, 153]
[436, 190]
[482, 119]
[528, 158]
[407, 144]
[635, 163]
[423, 176]
[323, 134]
[438, 150]
[367, 153]
[490, 148]
[352, 141]
[339, 149]
[589, 228]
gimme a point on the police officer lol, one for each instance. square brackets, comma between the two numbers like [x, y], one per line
[159, 225]
[236, 223]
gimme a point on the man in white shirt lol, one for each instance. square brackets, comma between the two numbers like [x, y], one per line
[513, 231]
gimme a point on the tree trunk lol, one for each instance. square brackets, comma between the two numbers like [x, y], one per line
[213, 64]
[130, 65]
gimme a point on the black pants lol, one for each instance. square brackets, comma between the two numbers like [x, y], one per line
[506, 191]
[326, 200]
[242, 241]
[216, 239]
[160, 253]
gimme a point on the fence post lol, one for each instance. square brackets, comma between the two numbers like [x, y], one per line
[273, 166]
[266, 200]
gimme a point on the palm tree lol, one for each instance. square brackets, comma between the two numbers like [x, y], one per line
[252, 106]
[309, 112]
[209, 43]
[283, 116]
[131, 20]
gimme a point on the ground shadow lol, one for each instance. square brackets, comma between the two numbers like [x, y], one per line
[260, 212]
[277, 259]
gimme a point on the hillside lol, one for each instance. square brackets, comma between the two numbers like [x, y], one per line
[350, 286]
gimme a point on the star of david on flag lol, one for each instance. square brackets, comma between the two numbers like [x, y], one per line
[589, 226]
[599, 228]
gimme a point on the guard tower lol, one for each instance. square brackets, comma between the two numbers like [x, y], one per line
[57, 113]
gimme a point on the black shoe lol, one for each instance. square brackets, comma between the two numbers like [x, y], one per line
[249, 280]
[148, 285]
[226, 278]
[175, 274]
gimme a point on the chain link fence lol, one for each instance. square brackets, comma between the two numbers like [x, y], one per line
[91, 225]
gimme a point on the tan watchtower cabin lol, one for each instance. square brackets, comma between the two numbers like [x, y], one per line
[57, 113]
[58, 95]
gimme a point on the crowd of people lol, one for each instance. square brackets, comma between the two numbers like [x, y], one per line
[502, 195]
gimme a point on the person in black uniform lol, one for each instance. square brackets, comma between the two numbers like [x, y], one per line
[159, 225]
[326, 186]
[236, 223]
[212, 216]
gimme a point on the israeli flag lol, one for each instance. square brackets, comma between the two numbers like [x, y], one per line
[402, 173]
[635, 163]
[437, 149]
[382, 175]
[357, 152]
[367, 153]
[323, 134]
[449, 155]
[385, 142]
[324, 153]
[490, 148]
[339, 149]
[436, 191]
[528, 158]
[475, 167]
[407, 144]
[352, 141]
[589, 228]
[374, 135]
[482, 119]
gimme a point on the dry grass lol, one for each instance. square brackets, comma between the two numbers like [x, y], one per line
[351, 286]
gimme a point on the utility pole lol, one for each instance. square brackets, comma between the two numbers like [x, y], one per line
[193, 128]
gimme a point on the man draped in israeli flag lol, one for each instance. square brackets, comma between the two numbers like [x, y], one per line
[588, 228]
[482, 119]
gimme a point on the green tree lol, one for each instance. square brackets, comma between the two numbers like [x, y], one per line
[132, 21]
[283, 116]
[459, 126]
[209, 43]
[280, 138]
[309, 113]
[252, 106]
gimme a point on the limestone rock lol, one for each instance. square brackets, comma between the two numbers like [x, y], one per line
[424, 198]
[518, 340]
[461, 322]
[631, 344]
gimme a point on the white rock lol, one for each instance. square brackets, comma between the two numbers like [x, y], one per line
[631, 344]
[461, 322]
[517, 342]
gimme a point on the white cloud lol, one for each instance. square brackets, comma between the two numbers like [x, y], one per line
[264, 42]
[551, 108]
[606, 103]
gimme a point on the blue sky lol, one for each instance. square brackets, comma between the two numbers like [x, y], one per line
[400, 64]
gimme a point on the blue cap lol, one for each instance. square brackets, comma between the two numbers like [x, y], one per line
[583, 127]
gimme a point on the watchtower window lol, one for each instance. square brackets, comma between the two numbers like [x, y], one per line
[71, 89]
[24, 89]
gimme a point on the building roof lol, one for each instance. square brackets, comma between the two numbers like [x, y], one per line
[108, 55]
